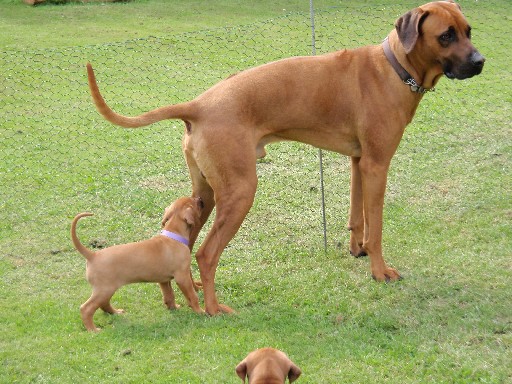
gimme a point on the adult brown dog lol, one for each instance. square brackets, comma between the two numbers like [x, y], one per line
[267, 366]
[353, 102]
[159, 260]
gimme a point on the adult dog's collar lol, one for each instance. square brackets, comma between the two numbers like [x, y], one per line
[174, 236]
[404, 75]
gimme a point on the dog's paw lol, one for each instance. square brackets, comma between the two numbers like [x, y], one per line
[360, 253]
[387, 275]
[225, 309]
[220, 309]
[356, 248]
[119, 311]
[198, 285]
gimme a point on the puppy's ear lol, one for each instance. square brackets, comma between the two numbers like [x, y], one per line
[189, 216]
[453, 2]
[408, 27]
[294, 373]
[241, 370]
[166, 217]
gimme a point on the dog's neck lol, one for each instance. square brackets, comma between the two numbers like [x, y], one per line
[174, 236]
[421, 81]
[406, 77]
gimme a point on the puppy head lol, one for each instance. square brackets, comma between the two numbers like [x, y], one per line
[267, 363]
[186, 210]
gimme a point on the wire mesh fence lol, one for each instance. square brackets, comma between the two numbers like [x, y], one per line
[59, 157]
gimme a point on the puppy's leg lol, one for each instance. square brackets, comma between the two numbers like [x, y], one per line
[186, 286]
[107, 307]
[197, 284]
[356, 223]
[168, 295]
[88, 309]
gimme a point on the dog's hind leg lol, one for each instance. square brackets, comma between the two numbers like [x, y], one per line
[87, 309]
[223, 171]
[233, 198]
[200, 188]
[108, 308]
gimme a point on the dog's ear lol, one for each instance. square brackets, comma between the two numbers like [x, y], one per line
[189, 216]
[453, 2]
[293, 373]
[241, 370]
[167, 216]
[408, 27]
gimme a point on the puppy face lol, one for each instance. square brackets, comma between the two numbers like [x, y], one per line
[186, 209]
[265, 364]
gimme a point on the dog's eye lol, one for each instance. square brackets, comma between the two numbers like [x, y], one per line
[468, 33]
[446, 38]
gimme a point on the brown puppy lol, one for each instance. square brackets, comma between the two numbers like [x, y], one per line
[355, 102]
[267, 366]
[158, 260]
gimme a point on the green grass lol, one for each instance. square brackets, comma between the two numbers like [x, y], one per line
[49, 26]
[447, 223]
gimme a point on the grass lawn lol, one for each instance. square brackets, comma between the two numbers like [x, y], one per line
[448, 209]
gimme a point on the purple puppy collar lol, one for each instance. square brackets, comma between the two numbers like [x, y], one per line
[174, 236]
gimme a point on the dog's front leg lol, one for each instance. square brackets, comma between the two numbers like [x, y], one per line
[168, 295]
[373, 178]
[356, 221]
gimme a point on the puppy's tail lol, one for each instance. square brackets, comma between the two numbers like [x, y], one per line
[180, 111]
[88, 254]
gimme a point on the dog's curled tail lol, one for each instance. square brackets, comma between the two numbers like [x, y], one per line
[180, 111]
[87, 253]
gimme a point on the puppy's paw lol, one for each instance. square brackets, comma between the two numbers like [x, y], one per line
[198, 285]
[225, 309]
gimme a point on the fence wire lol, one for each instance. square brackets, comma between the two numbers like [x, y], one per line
[59, 157]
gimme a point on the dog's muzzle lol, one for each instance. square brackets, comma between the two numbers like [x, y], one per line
[471, 67]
